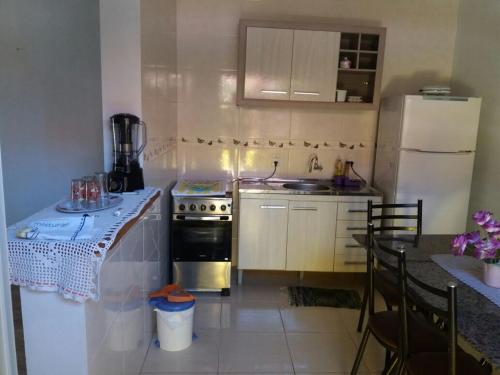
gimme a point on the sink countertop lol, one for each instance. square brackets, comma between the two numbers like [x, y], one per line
[276, 187]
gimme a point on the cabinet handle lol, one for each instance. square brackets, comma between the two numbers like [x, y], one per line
[273, 92]
[354, 262]
[356, 228]
[304, 209]
[306, 93]
[354, 246]
[272, 206]
[353, 211]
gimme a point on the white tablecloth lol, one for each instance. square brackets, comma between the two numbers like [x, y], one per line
[71, 268]
[469, 271]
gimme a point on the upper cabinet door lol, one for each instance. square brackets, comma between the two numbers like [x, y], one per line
[268, 63]
[314, 65]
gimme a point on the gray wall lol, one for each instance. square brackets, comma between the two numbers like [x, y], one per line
[476, 72]
[50, 99]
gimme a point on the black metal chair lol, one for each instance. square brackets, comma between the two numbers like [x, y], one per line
[453, 361]
[386, 326]
[386, 287]
[383, 325]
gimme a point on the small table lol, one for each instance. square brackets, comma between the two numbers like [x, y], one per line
[478, 318]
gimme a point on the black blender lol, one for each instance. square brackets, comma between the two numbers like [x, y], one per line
[129, 140]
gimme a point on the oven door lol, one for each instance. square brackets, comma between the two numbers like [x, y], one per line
[201, 238]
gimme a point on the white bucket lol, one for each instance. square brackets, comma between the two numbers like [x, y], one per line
[175, 329]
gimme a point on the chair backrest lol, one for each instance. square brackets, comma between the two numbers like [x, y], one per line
[387, 258]
[428, 303]
[389, 216]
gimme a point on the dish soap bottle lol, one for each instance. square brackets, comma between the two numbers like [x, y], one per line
[338, 174]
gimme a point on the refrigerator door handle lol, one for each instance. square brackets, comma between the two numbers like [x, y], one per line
[438, 152]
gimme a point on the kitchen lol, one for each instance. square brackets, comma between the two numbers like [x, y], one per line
[180, 60]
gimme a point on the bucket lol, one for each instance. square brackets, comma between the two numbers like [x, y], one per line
[174, 323]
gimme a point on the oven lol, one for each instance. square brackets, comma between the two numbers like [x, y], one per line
[201, 237]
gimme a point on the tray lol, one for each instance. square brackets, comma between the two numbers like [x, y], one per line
[67, 206]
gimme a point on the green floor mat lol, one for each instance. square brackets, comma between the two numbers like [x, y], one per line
[304, 296]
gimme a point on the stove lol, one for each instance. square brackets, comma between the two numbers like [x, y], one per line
[201, 237]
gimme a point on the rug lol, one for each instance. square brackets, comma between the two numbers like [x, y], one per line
[304, 296]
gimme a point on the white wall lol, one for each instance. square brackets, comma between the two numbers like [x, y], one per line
[419, 51]
[476, 72]
[120, 33]
[50, 99]
[8, 363]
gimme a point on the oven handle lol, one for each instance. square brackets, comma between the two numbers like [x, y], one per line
[202, 218]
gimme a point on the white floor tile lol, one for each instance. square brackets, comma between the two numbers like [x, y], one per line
[243, 293]
[254, 352]
[201, 356]
[322, 352]
[251, 316]
[207, 315]
[313, 319]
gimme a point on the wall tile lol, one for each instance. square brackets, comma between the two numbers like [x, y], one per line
[204, 161]
[264, 123]
[212, 52]
[258, 162]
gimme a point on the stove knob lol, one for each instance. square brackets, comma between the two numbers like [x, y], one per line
[192, 207]
[223, 207]
[182, 207]
[212, 207]
[203, 207]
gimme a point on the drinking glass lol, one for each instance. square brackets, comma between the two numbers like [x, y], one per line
[77, 192]
[102, 185]
[91, 189]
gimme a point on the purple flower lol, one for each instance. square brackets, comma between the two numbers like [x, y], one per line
[487, 249]
[459, 244]
[482, 217]
[473, 237]
[492, 227]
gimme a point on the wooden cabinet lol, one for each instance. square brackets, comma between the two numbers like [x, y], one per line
[314, 65]
[267, 65]
[286, 62]
[263, 234]
[302, 233]
[311, 236]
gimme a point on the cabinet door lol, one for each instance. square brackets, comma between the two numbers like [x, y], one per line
[268, 63]
[314, 67]
[311, 236]
[262, 234]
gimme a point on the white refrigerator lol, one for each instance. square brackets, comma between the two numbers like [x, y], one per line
[425, 150]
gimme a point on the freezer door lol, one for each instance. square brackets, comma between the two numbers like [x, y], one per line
[443, 181]
[434, 124]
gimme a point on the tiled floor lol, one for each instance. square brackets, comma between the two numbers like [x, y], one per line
[256, 331]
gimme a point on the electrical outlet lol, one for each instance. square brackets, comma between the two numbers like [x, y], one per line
[277, 157]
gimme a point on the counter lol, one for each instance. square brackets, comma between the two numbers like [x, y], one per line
[276, 187]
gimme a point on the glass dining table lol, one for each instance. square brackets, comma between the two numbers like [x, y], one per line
[478, 318]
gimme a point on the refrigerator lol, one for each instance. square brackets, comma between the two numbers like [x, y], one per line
[425, 150]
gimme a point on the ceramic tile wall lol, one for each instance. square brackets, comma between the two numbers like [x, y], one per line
[159, 86]
[217, 138]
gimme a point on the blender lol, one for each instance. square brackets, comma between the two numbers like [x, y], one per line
[129, 139]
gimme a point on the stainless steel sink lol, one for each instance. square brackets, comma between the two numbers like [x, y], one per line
[303, 186]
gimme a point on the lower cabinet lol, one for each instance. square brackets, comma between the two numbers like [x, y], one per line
[311, 236]
[297, 233]
[263, 234]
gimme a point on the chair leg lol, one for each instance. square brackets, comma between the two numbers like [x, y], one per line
[393, 364]
[388, 361]
[361, 351]
[363, 310]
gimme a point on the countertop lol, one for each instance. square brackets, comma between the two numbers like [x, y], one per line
[276, 187]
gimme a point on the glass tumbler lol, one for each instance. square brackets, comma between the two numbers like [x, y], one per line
[91, 189]
[77, 192]
[102, 185]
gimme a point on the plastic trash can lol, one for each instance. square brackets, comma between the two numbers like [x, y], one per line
[174, 321]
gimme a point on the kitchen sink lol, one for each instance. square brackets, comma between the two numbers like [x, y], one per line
[303, 186]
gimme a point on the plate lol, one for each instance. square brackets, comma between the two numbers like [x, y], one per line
[69, 207]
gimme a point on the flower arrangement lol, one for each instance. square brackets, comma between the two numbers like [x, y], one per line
[486, 248]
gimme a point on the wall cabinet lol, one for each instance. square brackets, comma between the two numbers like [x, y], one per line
[302, 233]
[283, 62]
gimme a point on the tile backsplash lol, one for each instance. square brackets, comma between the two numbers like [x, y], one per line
[216, 138]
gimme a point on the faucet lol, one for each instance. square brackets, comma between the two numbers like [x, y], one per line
[314, 164]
